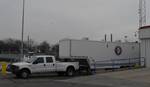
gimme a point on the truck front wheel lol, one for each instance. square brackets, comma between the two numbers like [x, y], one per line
[70, 71]
[24, 74]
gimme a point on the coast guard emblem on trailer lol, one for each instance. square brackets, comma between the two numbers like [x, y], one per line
[118, 50]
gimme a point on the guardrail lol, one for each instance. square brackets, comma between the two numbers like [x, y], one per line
[118, 63]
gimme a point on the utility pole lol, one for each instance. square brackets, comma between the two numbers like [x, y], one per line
[105, 38]
[28, 43]
[142, 13]
[111, 37]
[22, 32]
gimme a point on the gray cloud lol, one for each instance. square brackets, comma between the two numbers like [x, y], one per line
[53, 20]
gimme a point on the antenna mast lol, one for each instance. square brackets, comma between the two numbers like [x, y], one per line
[142, 13]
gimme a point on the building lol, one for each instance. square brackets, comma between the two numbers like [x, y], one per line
[144, 35]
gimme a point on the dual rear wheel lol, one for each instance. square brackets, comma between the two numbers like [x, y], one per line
[69, 72]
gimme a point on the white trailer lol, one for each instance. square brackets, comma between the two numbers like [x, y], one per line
[105, 52]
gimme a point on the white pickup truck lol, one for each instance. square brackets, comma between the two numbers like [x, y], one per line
[43, 64]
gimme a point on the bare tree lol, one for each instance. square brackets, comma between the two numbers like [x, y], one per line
[44, 47]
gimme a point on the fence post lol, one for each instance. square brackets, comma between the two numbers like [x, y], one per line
[129, 63]
[112, 65]
[94, 66]
[144, 62]
[140, 60]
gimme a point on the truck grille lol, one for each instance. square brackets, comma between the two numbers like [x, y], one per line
[14, 68]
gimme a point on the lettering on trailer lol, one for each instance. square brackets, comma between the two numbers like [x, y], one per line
[118, 50]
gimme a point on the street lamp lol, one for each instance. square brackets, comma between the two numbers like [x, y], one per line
[22, 32]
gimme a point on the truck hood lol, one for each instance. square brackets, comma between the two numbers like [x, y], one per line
[21, 63]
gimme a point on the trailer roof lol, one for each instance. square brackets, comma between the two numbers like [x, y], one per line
[145, 27]
[97, 41]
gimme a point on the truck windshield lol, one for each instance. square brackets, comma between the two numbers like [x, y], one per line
[31, 59]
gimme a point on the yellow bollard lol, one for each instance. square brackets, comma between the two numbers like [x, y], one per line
[0, 67]
[4, 66]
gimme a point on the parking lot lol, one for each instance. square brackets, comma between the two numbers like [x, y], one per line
[127, 78]
[39, 81]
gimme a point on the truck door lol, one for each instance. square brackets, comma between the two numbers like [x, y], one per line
[38, 65]
[50, 64]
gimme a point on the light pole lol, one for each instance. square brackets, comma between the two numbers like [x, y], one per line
[22, 32]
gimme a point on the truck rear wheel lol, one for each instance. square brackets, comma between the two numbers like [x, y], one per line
[24, 74]
[70, 71]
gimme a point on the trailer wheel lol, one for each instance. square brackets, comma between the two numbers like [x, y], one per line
[70, 71]
[89, 71]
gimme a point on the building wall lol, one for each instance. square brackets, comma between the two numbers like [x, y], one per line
[145, 50]
[144, 35]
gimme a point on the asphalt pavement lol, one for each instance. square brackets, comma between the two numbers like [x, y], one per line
[40, 81]
[128, 78]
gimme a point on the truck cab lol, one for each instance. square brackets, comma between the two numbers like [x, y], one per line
[42, 64]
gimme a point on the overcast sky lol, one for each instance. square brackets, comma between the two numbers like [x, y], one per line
[52, 20]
